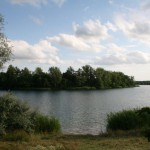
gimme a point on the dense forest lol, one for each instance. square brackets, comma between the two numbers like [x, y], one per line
[84, 78]
[143, 82]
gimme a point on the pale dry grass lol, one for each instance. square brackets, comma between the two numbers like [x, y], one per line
[72, 142]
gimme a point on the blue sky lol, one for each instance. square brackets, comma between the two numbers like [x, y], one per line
[112, 34]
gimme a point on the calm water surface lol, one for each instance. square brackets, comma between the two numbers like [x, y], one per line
[84, 112]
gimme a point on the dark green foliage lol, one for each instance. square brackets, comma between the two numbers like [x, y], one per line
[144, 116]
[69, 78]
[46, 124]
[144, 110]
[98, 78]
[147, 133]
[129, 119]
[124, 120]
[16, 115]
[55, 77]
[143, 82]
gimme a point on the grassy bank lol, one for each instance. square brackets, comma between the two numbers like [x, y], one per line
[76, 142]
[22, 128]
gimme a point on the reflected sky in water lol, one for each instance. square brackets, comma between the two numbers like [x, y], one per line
[84, 112]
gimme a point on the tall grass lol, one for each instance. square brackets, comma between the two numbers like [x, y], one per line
[129, 119]
[17, 135]
[124, 120]
[46, 124]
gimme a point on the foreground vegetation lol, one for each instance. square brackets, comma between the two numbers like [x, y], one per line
[83, 78]
[16, 115]
[5, 48]
[24, 129]
[129, 119]
[77, 142]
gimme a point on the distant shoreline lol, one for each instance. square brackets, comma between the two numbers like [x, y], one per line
[66, 89]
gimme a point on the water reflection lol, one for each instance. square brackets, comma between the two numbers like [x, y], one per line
[85, 112]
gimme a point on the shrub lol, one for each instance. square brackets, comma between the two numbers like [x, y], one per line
[144, 117]
[46, 124]
[124, 120]
[129, 119]
[14, 114]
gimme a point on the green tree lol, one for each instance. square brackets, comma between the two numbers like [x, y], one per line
[3, 80]
[5, 49]
[107, 79]
[38, 78]
[12, 75]
[70, 77]
[99, 73]
[80, 78]
[55, 77]
[89, 75]
[25, 79]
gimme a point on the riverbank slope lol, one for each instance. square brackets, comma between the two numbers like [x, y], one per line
[78, 142]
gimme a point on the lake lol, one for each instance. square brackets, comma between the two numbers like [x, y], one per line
[85, 112]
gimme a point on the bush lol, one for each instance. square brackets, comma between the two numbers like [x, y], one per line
[129, 119]
[46, 124]
[16, 115]
[144, 117]
[124, 120]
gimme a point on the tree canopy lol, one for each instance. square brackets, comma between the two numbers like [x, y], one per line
[5, 49]
[85, 77]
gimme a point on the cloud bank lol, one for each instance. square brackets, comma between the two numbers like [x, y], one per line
[86, 37]
[40, 53]
[37, 3]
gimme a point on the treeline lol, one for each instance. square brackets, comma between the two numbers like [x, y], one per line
[143, 82]
[85, 77]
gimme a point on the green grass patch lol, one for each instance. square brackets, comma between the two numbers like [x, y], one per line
[136, 120]
[124, 120]
[17, 136]
[46, 125]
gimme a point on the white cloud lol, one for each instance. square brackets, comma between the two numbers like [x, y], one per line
[91, 30]
[86, 37]
[112, 47]
[36, 20]
[110, 26]
[41, 52]
[145, 5]
[136, 57]
[37, 3]
[135, 25]
[109, 59]
[69, 41]
[73, 42]
[111, 2]
[59, 2]
[30, 2]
